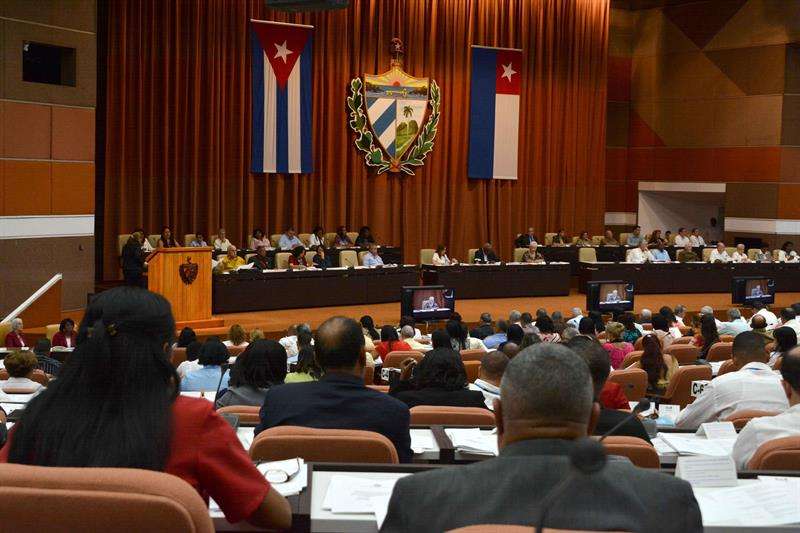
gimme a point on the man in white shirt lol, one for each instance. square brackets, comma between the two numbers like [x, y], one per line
[493, 365]
[767, 428]
[708, 310]
[576, 317]
[763, 310]
[740, 255]
[407, 335]
[682, 238]
[735, 325]
[753, 386]
[221, 242]
[680, 312]
[789, 319]
[289, 342]
[696, 238]
[289, 240]
[640, 254]
[719, 255]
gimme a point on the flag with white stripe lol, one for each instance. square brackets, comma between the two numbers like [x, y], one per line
[494, 113]
[281, 97]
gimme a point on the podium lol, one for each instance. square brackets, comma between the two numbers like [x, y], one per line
[183, 276]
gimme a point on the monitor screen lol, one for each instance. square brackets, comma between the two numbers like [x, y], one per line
[434, 302]
[609, 296]
[747, 291]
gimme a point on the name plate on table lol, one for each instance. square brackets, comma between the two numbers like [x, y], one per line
[707, 471]
[717, 430]
[698, 387]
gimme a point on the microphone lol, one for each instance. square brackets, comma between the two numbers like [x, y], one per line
[643, 405]
[222, 369]
[587, 457]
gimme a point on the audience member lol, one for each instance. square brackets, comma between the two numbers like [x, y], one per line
[439, 379]
[735, 324]
[631, 332]
[409, 321]
[527, 325]
[659, 366]
[640, 254]
[365, 237]
[66, 335]
[759, 325]
[558, 322]
[764, 254]
[740, 255]
[261, 366]
[708, 336]
[256, 334]
[532, 254]
[752, 386]
[20, 366]
[547, 330]
[496, 339]
[259, 240]
[597, 319]
[390, 342]
[368, 327]
[616, 347]
[230, 261]
[186, 337]
[560, 238]
[659, 253]
[306, 368]
[289, 240]
[708, 310]
[339, 400]
[609, 240]
[133, 261]
[317, 238]
[198, 241]
[546, 404]
[577, 315]
[763, 310]
[45, 363]
[261, 261]
[787, 254]
[484, 328]
[568, 334]
[213, 359]
[683, 239]
[407, 336]
[679, 312]
[719, 254]
[191, 363]
[789, 319]
[372, 258]
[440, 257]
[297, 258]
[586, 328]
[526, 239]
[696, 238]
[342, 239]
[237, 337]
[485, 255]
[221, 242]
[16, 338]
[584, 239]
[785, 341]
[123, 366]
[767, 428]
[662, 331]
[635, 238]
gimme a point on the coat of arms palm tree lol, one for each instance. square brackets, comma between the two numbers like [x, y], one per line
[408, 111]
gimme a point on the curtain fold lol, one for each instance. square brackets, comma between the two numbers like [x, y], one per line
[178, 122]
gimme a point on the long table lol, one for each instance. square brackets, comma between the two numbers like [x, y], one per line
[389, 254]
[658, 278]
[501, 280]
[253, 290]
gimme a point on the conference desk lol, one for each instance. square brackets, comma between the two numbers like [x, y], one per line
[501, 280]
[570, 254]
[389, 254]
[254, 290]
[660, 278]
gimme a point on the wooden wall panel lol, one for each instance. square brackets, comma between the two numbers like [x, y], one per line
[788, 206]
[790, 164]
[26, 188]
[72, 189]
[74, 14]
[751, 200]
[27, 132]
[790, 134]
[73, 133]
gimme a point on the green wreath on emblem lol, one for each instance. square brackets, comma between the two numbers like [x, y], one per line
[373, 155]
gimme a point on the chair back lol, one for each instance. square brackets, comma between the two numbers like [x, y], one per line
[473, 370]
[322, 445]
[282, 260]
[426, 256]
[426, 415]
[632, 357]
[393, 359]
[548, 238]
[752, 253]
[777, 454]
[348, 258]
[623, 238]
[742, 417]
[49, 331]
[679, 390]
[707, 254]
[122, 240]
[178, 356]
[153, 239]
[685, 354]
[640, 452]
[720, 351]
[369, 373]
[305, 238]
[518, 253]
[353, 235]
[726, 338]
[361, 255]
[38, 498]
[638, 345]
[597, 240]
[587, 255]
[633, 382]
[730, 249]
[683, 340]
[275, 239]
[188, 238]
[310, 255]
[329, 238]
[472, 355]
[726, 367]
[471, 255]
[249, 415]
[379, 388]
[38, 376]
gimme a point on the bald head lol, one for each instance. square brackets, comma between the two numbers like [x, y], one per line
[748, 347]
[493, 366]
[758, 322]
[510, 349]
[339, 344]
[546, 384]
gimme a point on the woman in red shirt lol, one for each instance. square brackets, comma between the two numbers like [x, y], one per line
[298, 258]
[390, 342]
[116, 405]
[15, 338]
[66, 334]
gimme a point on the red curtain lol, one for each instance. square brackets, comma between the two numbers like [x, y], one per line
[178, 122]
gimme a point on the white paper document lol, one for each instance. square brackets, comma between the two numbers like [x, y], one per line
[357, 495]
[693, 445]
[422, 440]
[707, 471]
[752, 504]
[297, 471]
[473, 440]
[717, 430]
[246, 436]
[668, 414]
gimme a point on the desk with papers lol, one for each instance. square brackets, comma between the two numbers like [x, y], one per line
[501, 280]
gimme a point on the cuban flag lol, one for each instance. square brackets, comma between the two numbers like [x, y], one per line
[494, 113]
[281, 97]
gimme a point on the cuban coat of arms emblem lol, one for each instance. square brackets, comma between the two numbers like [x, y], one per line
[394, 116]
[188, 271]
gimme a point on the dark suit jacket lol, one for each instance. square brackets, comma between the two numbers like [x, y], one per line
[480, 257]
[431, 396]
[261, 263]
[338, 401]
[508, 490]
[611, 417]
[481, 332]
[524, 240]
[133, 258]
[319, 262]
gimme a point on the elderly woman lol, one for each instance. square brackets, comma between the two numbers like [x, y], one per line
[15, 338]
[20, 367]
[616, 347]
[532, 254]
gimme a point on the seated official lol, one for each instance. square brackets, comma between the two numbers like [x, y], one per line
[20, 366]
[785, 341]
[787, 253]
[526, 239]
[599, 367]
[460, 339]
[635, 238]
[616, 347]
[365, 237]
[259, 239]
[484, 328]
[547, 330]
[486, 255]
[584, 239]
[640, 254]
[306, 368]
[766, 428]
[144, 242]
[371, 258]
[609, 240]
[213, 354]
[297, 260]
[321, 259]
[659, 253]
[138, 420]
[719, 254]
[230, 261]
[708, 336]
[660, 366]
[752, 386]
[191, 363]
[407, 336]
[440, 257]
[655, 238]
[439, 379]
[237, 337]
[339, 400]
[317, 238]
[166, 240]
[260, 260]
[221, 242]
[736, 323]
[547, 403]
[764, 255]
[740, 255]
[289, 240]
[493, 366]
[560, 238]
[683, 238]
[631, 332]
[661, 329]
[496, 339]
[687, 255]
[45, 363]
[342, 239]
[66, 335]
[133, 261]
[763, 310]
[262, 365]
[759, 326]
[199, 241]
[532, 255]
[16, 338]
[390, 342]
[696, 238]
[185, 338]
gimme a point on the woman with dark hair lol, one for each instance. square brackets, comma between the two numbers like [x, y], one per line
[785, 340]
[584, 239]
[259, 239]
[441, 339]
[186, 337]
[166, 240]
[66, 335]
[708, 335]
[440, 257]
[547, 331]
[213, 354]
[365, 237]
[317, 238]
[529, 340]
[597, 318]
[321, 259]
[458, 335]
[655, 237]
[787, 254]
[659, 366]
[191, 364]
[342, 239]
[116, 404]
[631, 332]
[259, 367]
[368, 327]
[390, 342]
[297, 259]
[306, 369]
[439, 379]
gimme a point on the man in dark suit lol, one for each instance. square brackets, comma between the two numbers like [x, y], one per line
[599, 367]
[547, 403]
[484, 329]
[486, 255]
[526, 239]
[339, 400]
